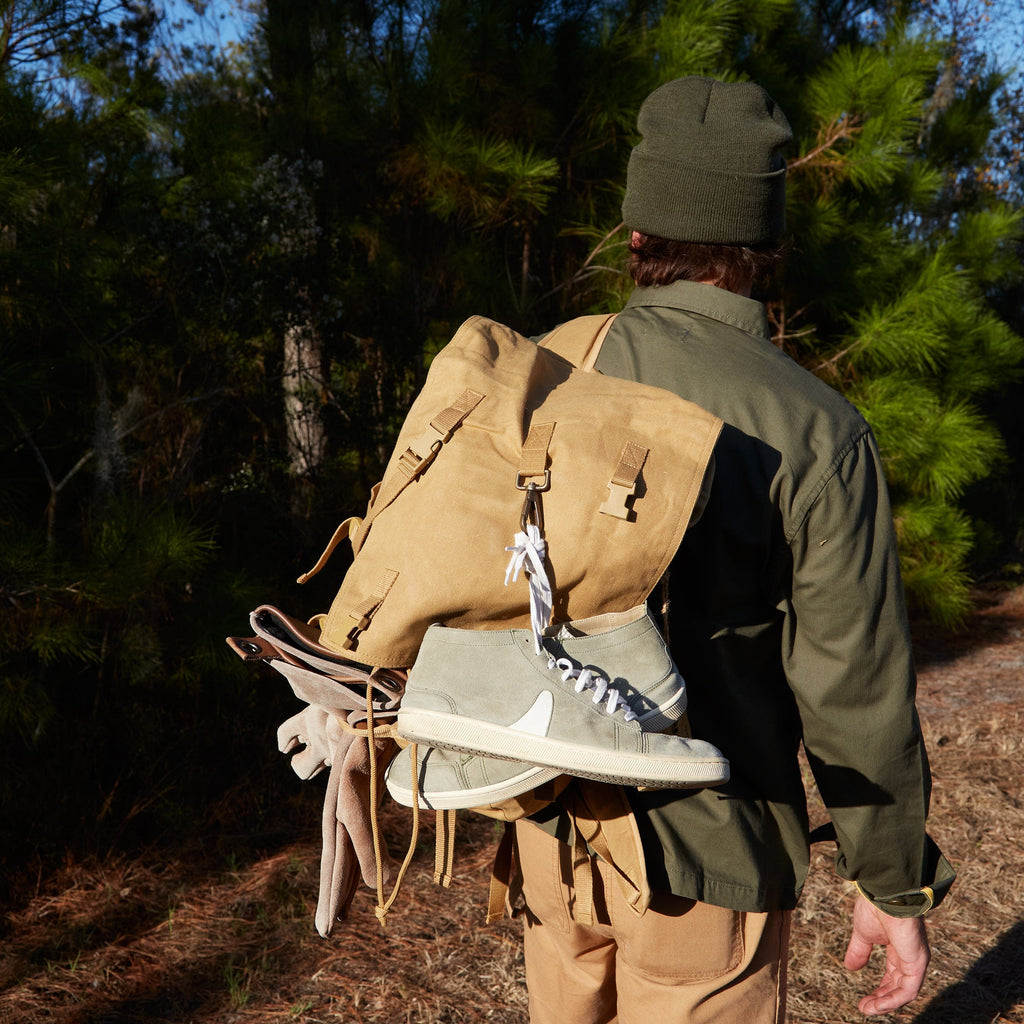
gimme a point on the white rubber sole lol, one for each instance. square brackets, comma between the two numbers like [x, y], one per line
[628, 768]
[479, 796]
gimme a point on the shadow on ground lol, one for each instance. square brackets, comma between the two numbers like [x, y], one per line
[991, 988]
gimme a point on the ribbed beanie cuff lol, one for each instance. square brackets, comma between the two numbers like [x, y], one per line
[708, 168]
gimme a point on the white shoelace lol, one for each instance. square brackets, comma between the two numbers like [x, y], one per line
[589, 680]
[528, 553]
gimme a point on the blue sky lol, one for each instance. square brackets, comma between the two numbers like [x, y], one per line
[223, 22]
[227, 21]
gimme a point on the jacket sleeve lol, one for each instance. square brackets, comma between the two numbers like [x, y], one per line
[848, 660]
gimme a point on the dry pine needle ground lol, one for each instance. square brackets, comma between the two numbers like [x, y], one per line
[171, 938]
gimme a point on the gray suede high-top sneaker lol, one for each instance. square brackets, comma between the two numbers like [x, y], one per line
[449, 779]
[590, 705]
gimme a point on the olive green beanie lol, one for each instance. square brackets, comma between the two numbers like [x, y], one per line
[708, 168]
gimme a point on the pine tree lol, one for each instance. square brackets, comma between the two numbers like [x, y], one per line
[369, 174]
[886, 295]
[107, 580]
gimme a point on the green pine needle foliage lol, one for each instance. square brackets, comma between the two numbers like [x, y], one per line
[917, 366]
[477, 181]
[935, 540]
[931, 449]
[887, 295]
[373, 173]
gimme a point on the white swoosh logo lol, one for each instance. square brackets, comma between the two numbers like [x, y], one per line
[538, 718]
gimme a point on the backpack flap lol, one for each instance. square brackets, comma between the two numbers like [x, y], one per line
[618, 473]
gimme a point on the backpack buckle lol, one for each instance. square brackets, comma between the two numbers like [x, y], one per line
[532, 511]
[616, 502]
[420, 452]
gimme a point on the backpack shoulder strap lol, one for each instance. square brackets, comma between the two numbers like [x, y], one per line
[580, 340]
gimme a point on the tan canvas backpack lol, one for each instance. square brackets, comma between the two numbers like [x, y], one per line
[502, 431]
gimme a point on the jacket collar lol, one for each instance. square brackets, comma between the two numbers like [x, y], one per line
[707, 300]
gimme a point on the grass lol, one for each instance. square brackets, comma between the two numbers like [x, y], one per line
[185, 936]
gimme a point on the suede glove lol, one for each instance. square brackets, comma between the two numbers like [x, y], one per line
[348, 839]
[319, 731]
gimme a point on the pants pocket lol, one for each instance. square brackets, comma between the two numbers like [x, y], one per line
[680, 940]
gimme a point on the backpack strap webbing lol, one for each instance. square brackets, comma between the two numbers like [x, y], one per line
[580, 340]
[420, 451]
[603, 825]
[535, 453]
[500, 899]
[444, 847]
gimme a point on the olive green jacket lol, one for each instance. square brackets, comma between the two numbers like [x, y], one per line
[787, 620]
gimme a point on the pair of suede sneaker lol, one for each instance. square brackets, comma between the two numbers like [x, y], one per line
[493, 718]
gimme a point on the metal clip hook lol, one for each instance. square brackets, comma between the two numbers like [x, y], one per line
[532, 511]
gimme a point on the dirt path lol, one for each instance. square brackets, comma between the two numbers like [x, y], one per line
[174, 938]
[971, 701]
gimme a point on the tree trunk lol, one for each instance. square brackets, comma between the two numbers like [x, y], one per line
[303, 387]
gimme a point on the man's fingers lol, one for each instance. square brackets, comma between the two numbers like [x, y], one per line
[858, 952]
[873, 1005]
[890, 995]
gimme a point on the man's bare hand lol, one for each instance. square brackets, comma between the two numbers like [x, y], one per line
[906, 955]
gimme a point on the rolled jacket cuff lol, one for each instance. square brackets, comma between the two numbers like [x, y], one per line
[916, 902]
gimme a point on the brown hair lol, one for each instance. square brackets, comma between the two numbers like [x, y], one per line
[658, 261]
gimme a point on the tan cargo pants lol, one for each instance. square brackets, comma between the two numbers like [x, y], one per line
[683, 962]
